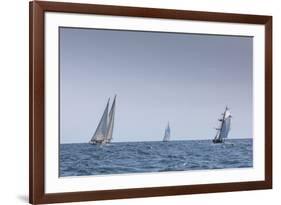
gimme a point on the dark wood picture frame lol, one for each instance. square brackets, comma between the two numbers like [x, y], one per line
[37, 193]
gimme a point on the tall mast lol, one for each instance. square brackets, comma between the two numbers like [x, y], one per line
[111, 122]
[222, 123]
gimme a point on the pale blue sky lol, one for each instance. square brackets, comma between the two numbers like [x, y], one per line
[185, 79]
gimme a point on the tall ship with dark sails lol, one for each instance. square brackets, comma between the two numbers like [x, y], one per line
[167, 134]
[224, 127]
[104, 131]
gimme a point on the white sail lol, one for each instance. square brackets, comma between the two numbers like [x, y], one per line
[225, 126]
[110, 122]
[101, 131]
[167, 133]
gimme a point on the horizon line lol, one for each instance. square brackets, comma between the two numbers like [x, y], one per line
[159, 140]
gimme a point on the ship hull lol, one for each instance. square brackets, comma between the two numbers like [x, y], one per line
[216, 141]
[96, 142]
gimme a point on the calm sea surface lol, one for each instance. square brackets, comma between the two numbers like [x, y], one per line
[134, 157]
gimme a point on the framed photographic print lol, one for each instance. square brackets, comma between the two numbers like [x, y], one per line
[139, 102]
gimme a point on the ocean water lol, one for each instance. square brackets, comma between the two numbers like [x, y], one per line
[137, 157]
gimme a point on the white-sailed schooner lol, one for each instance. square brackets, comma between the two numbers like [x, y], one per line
[167, 134]
[224, 128]
[104, 131]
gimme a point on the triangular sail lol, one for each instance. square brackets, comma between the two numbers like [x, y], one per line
[167, 133]
[226, 125]
[101, 131]
[217, 135]
[111, 121]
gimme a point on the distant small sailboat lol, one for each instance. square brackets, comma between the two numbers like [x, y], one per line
[167, 134]
[104, 131]
[224, 128]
